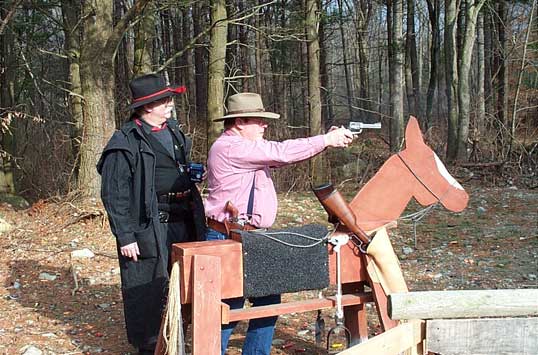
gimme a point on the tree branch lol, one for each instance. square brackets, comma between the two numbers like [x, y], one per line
[9, 15]
[123, 24]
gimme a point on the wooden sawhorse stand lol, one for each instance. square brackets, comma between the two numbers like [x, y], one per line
[213, 270]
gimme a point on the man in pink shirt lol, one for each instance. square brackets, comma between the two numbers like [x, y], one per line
[239, 164]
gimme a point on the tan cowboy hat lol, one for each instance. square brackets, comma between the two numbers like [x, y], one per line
[246, 104]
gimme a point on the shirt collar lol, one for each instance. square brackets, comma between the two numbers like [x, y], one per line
[149, 128]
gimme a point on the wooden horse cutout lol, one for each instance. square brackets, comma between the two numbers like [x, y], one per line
[212, 271]
[415, 172]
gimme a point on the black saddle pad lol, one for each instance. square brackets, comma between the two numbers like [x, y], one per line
[281, 261]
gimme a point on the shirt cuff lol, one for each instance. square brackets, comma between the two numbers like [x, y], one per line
[126, 239]
[319, 141]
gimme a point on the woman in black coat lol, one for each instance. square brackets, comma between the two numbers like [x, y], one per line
[151, 201]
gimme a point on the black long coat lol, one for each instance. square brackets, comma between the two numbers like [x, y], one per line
[127, 168]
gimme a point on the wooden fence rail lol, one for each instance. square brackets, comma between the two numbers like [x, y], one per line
[463, 304]
[407, 337]
[425, 329]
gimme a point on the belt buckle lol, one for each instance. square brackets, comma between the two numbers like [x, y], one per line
[242, 221]
[176, 196]
[164, 216]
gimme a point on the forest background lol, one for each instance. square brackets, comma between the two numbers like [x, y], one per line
[465, 68]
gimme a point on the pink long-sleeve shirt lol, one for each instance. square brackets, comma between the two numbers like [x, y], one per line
[234, 162]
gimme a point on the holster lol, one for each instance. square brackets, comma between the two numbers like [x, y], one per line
[232, 229]
[229, 228]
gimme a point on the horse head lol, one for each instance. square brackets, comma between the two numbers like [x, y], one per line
[433, 183]
[415, 172]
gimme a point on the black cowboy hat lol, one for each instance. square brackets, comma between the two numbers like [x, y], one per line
[151, 87]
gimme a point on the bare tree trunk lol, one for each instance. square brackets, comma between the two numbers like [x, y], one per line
[500, 70]
[314, 98]
[480, 116]
[472, 9]
[326, 107]
[123, 66]
[244, 55]
[99, 42]
[97, 78]
[299, 119]
[185, 62]
[488, 61]
[200, 62]
[451, 68]
[258, 56]
[216, 70]
[144, 35]
[70, 14]
[411, 47]
[184, 72]
[513, 120]
[435, 48]
[382, 62]
[7, 103]
[408, 83]
[349, 87]
[396, 80]
[363, 12]
[278, 82]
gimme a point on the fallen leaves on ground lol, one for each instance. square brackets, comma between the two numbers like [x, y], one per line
[72, 305]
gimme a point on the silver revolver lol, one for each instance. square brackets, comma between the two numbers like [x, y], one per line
[357, 127]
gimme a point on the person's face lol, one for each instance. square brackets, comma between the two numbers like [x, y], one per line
[157, 112]
[252, 128]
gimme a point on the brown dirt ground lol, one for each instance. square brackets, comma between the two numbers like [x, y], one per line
[492, 244]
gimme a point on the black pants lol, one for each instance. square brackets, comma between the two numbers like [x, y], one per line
[145, 294]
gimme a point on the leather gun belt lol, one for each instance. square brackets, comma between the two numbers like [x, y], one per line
[227, 227]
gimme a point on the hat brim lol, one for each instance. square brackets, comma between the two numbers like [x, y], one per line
[264, 114]
[174, 90]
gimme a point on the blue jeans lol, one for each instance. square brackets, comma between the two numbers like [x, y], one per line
[260, 331]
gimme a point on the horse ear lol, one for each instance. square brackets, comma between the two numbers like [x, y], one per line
[413, 135]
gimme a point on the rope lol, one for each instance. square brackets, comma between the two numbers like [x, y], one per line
[173, 324]
[416, 217]
[269, 236]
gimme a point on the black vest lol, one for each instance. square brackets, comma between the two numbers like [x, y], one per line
[170, 172]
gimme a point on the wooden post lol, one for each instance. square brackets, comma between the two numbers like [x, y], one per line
[355, 316]
[212, 271]
[463, 304]
[206, 308]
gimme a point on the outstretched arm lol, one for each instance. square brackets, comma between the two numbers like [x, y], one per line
[261, 153]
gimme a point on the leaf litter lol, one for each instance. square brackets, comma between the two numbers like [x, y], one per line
[77, 309]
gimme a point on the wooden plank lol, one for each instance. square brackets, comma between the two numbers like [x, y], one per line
[394, 341]
[298, 306]
[231, 261]
[206, 315]
[352, 267]
[463, 304]
[507, 336]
